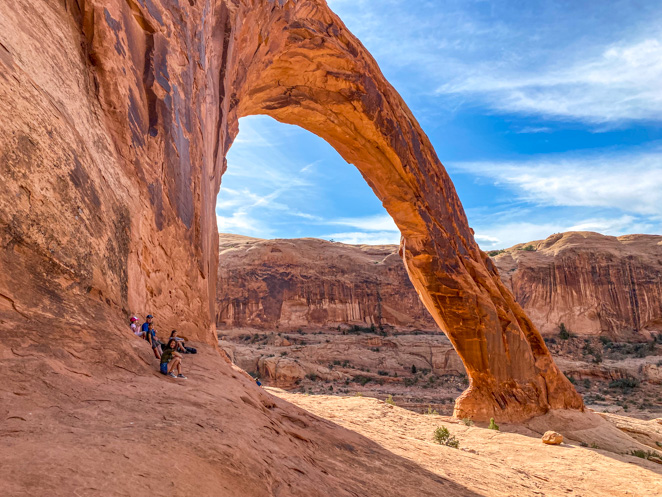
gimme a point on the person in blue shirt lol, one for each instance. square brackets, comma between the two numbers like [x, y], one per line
[150, 335]
[146, 324]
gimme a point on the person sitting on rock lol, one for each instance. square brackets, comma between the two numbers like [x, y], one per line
[145, 326]
[153, 341]
[181, 346]
[134, 326]
[171, 359]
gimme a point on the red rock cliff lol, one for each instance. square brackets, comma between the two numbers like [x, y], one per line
[290, 284]
[592, 283]
[117, 117]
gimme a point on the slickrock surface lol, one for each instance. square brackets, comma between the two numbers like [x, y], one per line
[117, 116]
[510, 462]
[310, 283]
[592, 283]
[79, 418]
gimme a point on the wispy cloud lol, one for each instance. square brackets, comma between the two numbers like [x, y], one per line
[370, 223]
[622, 83]
[631, 182]
[363, 238]
[497, 236]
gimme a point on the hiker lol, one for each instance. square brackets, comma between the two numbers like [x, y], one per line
[181, 346]
[145, 326]
[171, 359]
[134, 327]
[153, 341]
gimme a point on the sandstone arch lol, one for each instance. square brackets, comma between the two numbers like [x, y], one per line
[156, 88]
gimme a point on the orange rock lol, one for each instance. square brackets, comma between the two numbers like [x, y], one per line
[552, 438]
[592, 283]
[118, 116]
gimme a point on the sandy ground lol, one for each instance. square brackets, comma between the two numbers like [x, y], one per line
[510, 462]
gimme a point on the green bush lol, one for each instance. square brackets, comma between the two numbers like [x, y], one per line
[431, 412]
[494, 253]
[362, 380]
[624, 383]
[493, 425]
[389, 400]
[467, 422]
[413, 369]
[645, 454]
[443, 437]
[564, 334]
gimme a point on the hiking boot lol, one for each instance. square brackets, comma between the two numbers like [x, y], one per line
[181, 376]
[172, 375]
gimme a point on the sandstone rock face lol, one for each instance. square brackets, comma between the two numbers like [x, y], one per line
[594, 284]
[552, 438]
[118, 118]
[291, 284]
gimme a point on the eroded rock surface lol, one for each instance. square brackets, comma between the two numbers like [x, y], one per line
[309, 283]
[117, 117]
[594, 284]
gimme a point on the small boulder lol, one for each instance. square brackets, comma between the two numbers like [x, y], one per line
[552, 438]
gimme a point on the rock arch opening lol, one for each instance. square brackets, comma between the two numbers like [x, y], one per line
[319, 77]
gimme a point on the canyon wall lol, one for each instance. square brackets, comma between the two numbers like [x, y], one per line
[309, 283]
[594, 284]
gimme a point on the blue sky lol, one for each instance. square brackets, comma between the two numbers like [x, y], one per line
[546, 114]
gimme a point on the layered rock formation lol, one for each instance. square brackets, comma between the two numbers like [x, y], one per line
[117, 118]
[594, 284]
[291, 284]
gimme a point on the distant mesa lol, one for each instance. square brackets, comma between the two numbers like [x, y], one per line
[594, 284]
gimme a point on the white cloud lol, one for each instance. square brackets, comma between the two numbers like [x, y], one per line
[369, 223]
[630, 182]
[363, 238]
[498, 236]
[623, 83]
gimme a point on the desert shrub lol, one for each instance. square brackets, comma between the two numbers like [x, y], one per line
[624, 383]
[311, 376]
[572, 379]
[431, 412]
[410, 381]
[389, 400]
[645, 454]
[413, 369]
[494, 253]
[382, 373]
[594, 445]
[587, 383]
[358, 394]
[597, 357]
[529, 248]
[375, 349]
[467, 422]
[362, 380]
[605, 340]
[443, 437]
[564, 334]
[493, 425]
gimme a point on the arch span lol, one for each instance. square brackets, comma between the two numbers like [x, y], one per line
[320, 77]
